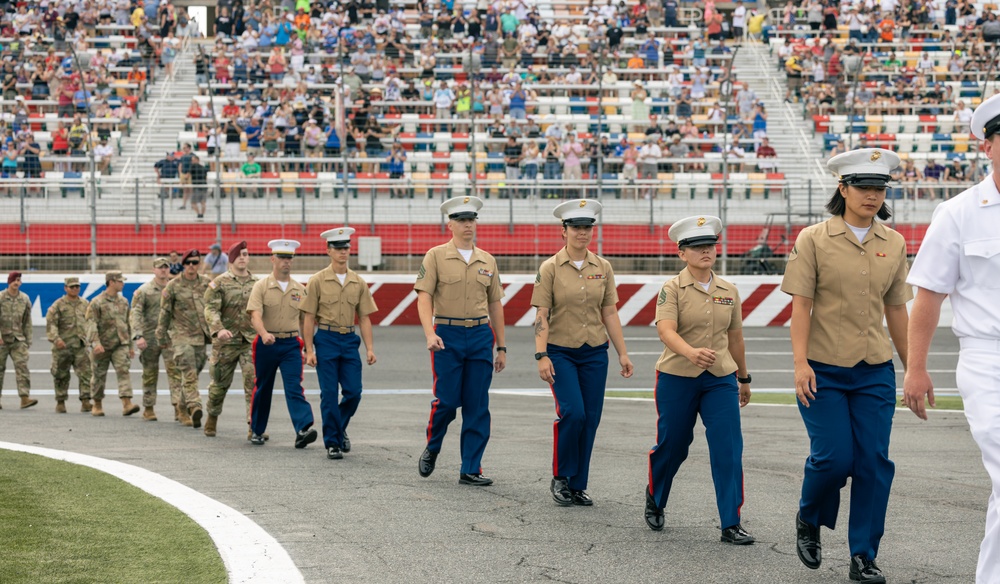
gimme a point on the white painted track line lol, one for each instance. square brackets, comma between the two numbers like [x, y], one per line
[250, 554]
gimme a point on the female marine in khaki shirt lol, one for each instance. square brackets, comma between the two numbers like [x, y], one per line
[576, 300]
[844, 274]
[699, 320]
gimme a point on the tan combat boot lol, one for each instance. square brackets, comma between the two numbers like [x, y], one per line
[85, 405]
[61, 407]
[148, 414]
[196, 413]
[183, 417]
[177, 413]
[98, 409]
[210, 423]
[129, 408]
[27, 402]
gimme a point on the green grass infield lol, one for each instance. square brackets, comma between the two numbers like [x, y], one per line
[65, 523]
[947, 402]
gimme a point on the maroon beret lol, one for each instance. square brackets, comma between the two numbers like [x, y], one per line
[13, 276]
[234, 251]
[191, 253]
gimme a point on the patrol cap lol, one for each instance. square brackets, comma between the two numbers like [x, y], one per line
[462, 207]
[215, 246]
[236, 249]
[13, 276]
[697, 230]
[864, 167]
[161, 263]
[114, 276]
[189, 254]
[71, 281]
[578, 212]
[338, 237]
[986, 118]
[283, 247]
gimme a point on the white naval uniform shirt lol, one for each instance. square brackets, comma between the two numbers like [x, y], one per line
[960, 256]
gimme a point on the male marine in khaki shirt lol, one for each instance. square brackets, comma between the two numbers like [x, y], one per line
[334, 297]
[457, 286]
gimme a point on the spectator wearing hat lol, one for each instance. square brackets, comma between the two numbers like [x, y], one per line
[103, 154]
[575, 298]
[958, 260]
[182, 327]
[143, 318]
[459, 302]
[15, 336]
[232, 333]
[847, 389]
[335, 298]
[216, 262]
[66, 329]
[110, 337]
[702, 372]
[275, 313]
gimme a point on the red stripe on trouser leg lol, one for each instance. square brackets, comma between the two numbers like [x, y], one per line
[649, 455]
[253, 357]
[430, 421]
[555, 433]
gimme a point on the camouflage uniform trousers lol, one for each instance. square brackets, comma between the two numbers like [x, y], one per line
[189, 360]
[18, 351]
[150, 359]
[77, 357]
[117, 358]
[224, 361]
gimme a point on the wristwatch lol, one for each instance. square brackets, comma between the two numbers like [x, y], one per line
[137, 337]
[746, 379]
[538, 356]
[504, 349]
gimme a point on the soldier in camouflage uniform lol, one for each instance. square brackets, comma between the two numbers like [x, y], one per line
[232, 333]
[109, 334]
[66, 329]
[144, 318]
[182, 327]
[16, 335]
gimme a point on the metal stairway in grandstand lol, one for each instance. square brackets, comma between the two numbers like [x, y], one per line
[800, 154]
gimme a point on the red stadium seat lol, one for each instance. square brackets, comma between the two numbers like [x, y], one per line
[406, 139]
[461, 141]
[928, 124]
[442, 160]
[822, 123]
[309, 184]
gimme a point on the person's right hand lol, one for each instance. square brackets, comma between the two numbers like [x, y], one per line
[224, 335]
[98, 349]
[702, 358]
[805, 384]
[917, 385]
[311, 358]
[267, 339]
[434, 343]
[546, 371]
[60, 344]
[141, 344]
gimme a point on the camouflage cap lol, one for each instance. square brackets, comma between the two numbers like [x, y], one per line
[161, 263]
[71, 281]
[114, 276]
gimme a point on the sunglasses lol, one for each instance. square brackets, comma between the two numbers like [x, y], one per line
[73, 286]
[192, 262]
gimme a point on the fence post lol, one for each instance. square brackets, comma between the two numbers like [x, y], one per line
[303, 197]
[652, 223]
[137, 227]
[510, 206]
[809, 196]
[163, 213]
[24, 225]
[372, 232]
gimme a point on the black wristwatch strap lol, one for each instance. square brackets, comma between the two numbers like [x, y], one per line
[504, 349]
[746, 379]
[539, 356]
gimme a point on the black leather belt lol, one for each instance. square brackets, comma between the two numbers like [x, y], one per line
[466, 322]
[344, 330]
[288, 335]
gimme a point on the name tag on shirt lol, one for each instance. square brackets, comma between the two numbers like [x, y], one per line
[726, 301]
[595, 277]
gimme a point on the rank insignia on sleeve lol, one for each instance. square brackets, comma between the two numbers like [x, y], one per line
[421, 273]
[485, 272]
[595, 277]
[879, 254]
[538, 276]
[794, 253]
[724, 300]
[662, 298]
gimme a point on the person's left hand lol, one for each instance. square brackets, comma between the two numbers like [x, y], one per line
[744, 394]
[627, 368]
[371, 357]
[500, 362]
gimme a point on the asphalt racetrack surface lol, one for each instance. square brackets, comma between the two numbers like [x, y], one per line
[371, 518]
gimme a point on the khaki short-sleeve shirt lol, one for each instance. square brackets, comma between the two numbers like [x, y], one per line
[575, 298]
[336, 304]
[459, 289]
[704, 319]
[279, 310]
[850, 284]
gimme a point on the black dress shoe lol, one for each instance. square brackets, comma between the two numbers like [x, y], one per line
[426, 463]
[345, 443]
[305, 438]
[807, 544]
[654, 515]
[476, 480]
[334, 453]
[581, 498]
[736, 535]
[256, 439]
[560, 491]
[865, 570]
